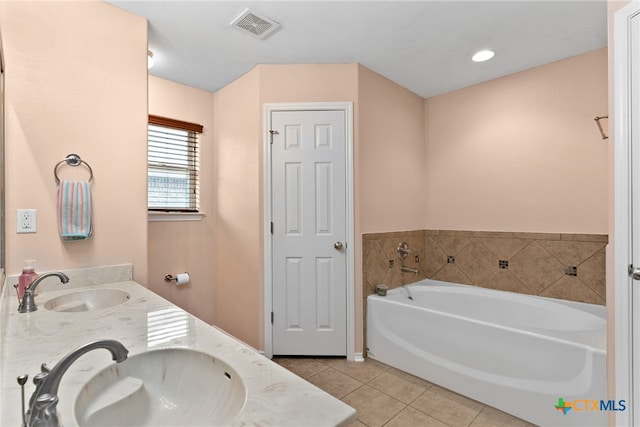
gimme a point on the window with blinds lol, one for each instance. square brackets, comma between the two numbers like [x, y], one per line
[173, 164]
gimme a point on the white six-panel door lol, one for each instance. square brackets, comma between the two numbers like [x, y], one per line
[308, 154]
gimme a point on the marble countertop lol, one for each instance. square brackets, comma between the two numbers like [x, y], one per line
[275, 396]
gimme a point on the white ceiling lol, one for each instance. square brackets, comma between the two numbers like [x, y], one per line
[425, 46]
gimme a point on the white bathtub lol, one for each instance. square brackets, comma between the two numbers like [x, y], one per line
[515, 352]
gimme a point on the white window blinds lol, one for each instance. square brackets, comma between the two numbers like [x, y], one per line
[173, 165]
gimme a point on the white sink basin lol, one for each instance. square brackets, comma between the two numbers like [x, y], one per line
[167, 387]
[87, 300]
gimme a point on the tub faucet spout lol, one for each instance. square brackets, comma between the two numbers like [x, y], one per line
[42, 405]
[406, 269]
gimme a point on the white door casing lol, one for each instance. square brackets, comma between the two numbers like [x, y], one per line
[309, 257]
[627, 211]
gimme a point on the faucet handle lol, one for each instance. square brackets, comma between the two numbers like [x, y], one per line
[39, 377]
[403, 250]
[46, 400]
[38, 380]
[44, 368]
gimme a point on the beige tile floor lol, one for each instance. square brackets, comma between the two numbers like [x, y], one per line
[385, 396]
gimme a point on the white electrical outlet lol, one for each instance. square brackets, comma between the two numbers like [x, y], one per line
[26, 221]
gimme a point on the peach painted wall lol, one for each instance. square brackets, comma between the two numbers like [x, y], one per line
[522, 152]
[391, 155]
[238, 295]
[175, 247]
[390, 173]
[237, 264]
[76, 82]
[308, 83]
[239, 141]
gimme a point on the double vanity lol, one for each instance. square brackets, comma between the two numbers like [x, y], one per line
[179, 371]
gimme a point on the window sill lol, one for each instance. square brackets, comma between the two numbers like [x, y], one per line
[175, 216]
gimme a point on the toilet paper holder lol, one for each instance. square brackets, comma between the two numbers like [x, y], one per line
[180, 279]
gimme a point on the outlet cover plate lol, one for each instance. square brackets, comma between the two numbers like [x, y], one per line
[26, 221]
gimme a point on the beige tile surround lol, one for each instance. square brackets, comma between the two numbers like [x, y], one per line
[536, 262]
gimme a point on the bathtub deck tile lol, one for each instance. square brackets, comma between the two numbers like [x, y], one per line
[477, 262]
[504, 280]
[452, 273]
[375, 266]
[334, 382]
[574, 289]
[374, 407]
[447, 406]
[504, 248]
[536, 267]
[592, 273]
[572, 252]
[412, 417]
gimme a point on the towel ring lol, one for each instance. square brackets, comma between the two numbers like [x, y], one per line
[72, 160]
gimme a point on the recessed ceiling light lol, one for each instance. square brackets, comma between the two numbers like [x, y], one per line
[483, 55]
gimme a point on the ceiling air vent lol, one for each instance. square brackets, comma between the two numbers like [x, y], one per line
[257, 25]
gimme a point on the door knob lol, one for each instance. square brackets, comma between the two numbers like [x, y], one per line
[338, 246]
[634, 272]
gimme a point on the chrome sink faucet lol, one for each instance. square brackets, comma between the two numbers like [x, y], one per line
[28, 304]
[43, 403]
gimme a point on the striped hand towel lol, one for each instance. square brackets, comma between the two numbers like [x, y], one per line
[74, 210]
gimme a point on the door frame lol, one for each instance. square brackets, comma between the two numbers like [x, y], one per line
[623, 174]
[347, 108]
